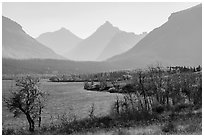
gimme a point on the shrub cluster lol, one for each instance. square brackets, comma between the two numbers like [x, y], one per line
[155, 90]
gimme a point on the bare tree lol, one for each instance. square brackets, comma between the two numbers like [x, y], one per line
[27, 99]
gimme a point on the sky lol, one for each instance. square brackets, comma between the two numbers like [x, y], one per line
[83, 18]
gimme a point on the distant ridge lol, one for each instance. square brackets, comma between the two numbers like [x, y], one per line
[61, 41]
[19, 45]
[176, 42]
[104, 43]
[90, 48]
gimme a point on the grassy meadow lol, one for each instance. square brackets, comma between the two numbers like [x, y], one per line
[154, 102]
[63, 98]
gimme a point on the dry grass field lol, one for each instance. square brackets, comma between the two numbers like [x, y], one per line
[68, 101]
[64, 98]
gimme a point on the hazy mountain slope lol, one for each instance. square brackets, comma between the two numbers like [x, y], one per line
[177, 42]
[90, 48]
[61, 41]
[17, 44]
[120, 43]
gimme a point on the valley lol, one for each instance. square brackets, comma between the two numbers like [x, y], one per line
[128, 72]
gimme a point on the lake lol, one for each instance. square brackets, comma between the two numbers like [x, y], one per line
[64, 97]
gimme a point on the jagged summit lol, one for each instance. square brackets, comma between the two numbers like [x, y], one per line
[63, 29]
[108, 25]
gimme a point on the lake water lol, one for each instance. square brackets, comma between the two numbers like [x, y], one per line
[63, 98]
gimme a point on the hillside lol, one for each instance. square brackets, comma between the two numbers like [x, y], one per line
[121, 42]
[177, 42]
[19, 45]
[60, 41]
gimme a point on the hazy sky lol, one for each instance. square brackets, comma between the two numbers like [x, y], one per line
[84, 18]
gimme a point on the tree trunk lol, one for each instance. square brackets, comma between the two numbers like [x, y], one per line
[167, 99]
[31, 123]
[39, 121]
[39, 118]
[117, 106]
[145, 101]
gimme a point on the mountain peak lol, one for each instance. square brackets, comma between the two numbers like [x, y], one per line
[61, 40]
[63, 29]
[108, 26]
[108, 23]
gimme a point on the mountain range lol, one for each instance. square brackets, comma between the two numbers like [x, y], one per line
[104, 43]
[176, 42]
[16, 43]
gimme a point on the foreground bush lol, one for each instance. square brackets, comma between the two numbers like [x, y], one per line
[28, 100]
